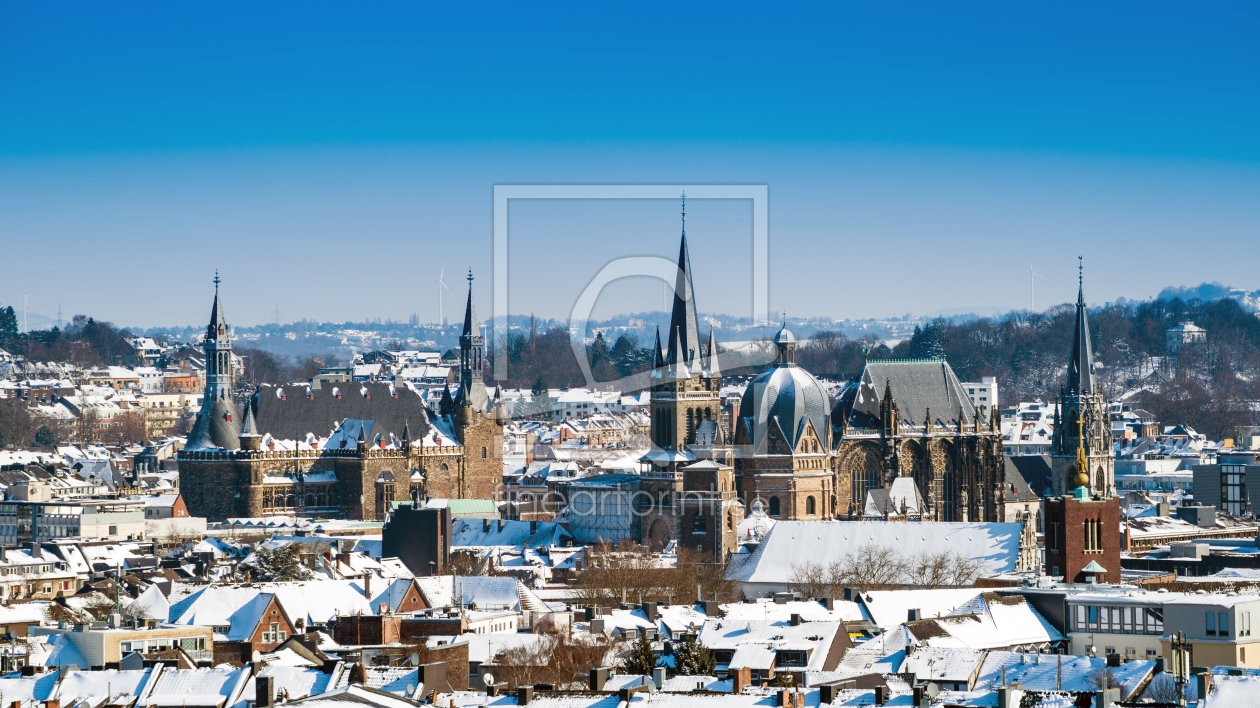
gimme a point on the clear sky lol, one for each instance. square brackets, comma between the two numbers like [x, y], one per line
[331, 159]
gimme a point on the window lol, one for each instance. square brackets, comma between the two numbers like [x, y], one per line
[1222, 624]
[789, 658]
[1093, 536]
[113, 530]
[1233, 491]
[809, 506]
[774, 506]
[699, 524]
[483, 452]
[1211, 624]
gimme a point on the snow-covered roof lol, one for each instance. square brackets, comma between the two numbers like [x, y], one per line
[197, 687]
[809, 610]
[794, 544]
[889, 608]
[491, 532]
[151, 604]
[240, 609]
[752, 640]
[487, 592]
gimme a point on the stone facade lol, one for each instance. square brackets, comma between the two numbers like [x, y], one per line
[459, 453]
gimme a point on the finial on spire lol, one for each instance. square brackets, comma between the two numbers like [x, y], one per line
[1080, 270]
[470, 278]
[216, 281]
[684, 213]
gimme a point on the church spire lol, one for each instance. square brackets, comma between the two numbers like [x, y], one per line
[711, 364]
[684, 334]
[1081, 379]
[472, 389]
[658, 358]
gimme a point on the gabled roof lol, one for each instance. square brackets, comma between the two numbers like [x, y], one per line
[917, 386]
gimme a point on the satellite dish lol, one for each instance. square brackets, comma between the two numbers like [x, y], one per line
[255, 657]
[415, 658]
[488, 678]
[411, 690]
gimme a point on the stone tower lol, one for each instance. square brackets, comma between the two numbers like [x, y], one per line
[219, 422]
[685, 408]
[478, 424]
[1082, 421]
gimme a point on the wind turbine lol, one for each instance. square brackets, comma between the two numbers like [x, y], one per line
[1032, 287]
[442, 284]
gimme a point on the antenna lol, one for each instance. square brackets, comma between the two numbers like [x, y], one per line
[58, 315]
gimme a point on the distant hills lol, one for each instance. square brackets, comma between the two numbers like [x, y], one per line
[1214, 291]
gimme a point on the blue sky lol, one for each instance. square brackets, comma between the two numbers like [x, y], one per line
[330, 159]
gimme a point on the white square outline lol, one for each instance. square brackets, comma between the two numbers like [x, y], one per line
[503, 193]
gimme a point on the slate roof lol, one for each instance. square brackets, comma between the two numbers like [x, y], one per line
[1025, 475]
[917, 386]
[318, 411]
[218, 425]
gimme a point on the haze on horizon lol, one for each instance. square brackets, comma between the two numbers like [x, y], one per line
[331, 165]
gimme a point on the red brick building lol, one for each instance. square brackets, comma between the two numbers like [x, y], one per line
[1082, 536]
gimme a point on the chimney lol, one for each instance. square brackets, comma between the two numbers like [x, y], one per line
[524, 694]
[485, 525]
[649, 611]
[881, 695]
[1201, 683]
[711, 608]
[599, 676]
[914, 614]
[740, 678]
[828, 602]
[658, 677]
[796, 620]
[264, 691]
[37, 550]
[783, 698]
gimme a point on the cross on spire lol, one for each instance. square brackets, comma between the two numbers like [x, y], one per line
[216, 281]
[470, 278]
[1080, 270]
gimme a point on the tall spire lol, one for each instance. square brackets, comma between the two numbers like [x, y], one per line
[1081, 379]
[658, 358]
[684, 334]
[472, 389]
[218, 325]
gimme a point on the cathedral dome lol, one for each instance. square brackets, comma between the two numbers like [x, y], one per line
[790, 394]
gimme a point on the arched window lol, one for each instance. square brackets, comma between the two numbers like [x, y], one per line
[443, 467]
[290, 501]
[310, 500]
[774, 506]
[809, 506]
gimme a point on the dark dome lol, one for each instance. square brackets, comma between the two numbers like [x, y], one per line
[791, 394]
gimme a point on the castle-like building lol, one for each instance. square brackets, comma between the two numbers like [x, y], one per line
[346, 450]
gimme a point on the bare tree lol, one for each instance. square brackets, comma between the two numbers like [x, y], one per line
[1161, 689]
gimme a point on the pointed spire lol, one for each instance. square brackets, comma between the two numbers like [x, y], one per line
[362, 435]
[471, 325]
[711, 364]
[218, 325]
[1081, 381]
[683, 329]
[248, 426]
[447, 404]
[406, 433]
[658, 359]
[678, 361]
